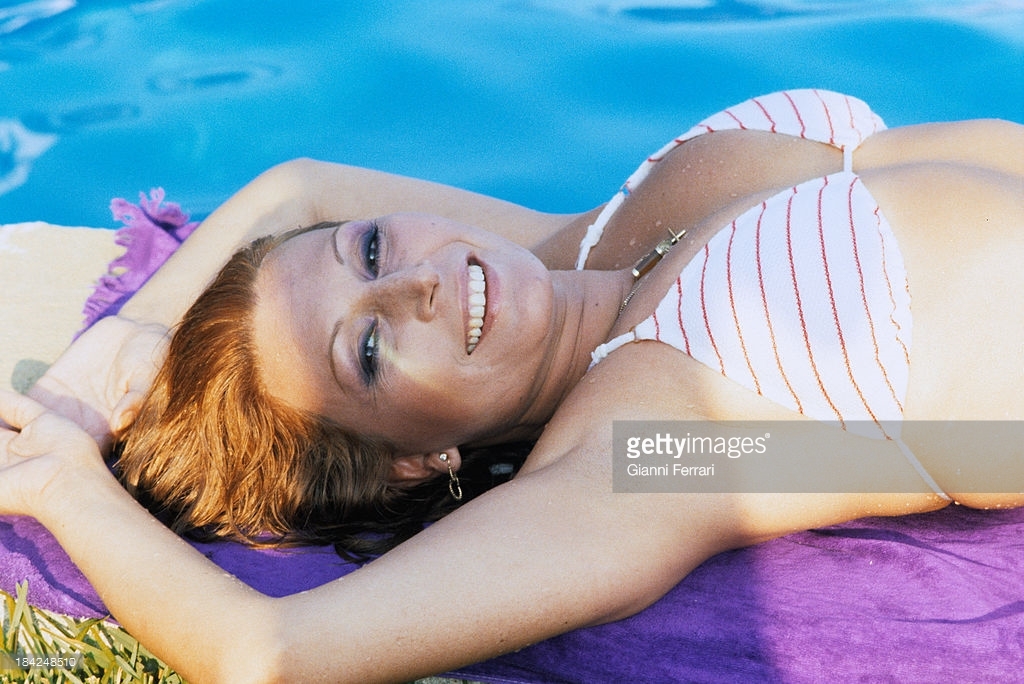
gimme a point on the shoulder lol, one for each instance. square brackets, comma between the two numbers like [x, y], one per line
[643, 381]
[651, 382]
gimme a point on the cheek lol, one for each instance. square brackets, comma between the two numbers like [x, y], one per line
[423, 366]
[428, 386]
[444, 413]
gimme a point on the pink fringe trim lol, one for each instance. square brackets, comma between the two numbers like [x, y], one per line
[152, 232]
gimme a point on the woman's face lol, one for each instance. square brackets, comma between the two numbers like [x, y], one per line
[376, 325]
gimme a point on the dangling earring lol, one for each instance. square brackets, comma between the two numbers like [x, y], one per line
[453, 480]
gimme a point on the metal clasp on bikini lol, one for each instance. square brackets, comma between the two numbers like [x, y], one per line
[648, 261]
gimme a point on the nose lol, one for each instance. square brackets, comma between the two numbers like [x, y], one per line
[411, 291]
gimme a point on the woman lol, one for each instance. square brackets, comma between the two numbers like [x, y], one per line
[529, 559]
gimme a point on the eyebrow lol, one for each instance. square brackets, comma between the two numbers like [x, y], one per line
[330, 356]
[334, 244]
[337, 326]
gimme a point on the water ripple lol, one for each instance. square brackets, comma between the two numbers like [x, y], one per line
[19, 16]
[991, 14]
[720, 11]
[174, 82]
[19, 147]
[71, 120]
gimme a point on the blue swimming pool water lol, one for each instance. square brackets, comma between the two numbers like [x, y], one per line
[544, 102]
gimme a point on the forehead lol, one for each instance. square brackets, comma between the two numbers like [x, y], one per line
[301, 250]
[291, 322]
[290, 280]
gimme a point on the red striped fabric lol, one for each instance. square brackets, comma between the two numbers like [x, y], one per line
[803, 298]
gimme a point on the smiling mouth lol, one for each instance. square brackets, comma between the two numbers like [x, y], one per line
[477, 306]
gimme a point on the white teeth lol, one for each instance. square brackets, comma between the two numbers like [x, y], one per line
[477, 306]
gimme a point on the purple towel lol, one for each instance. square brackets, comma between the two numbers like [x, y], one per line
[923, 598]
[152, 231]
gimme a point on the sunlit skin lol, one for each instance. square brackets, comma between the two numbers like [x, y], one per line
[528, 559]
[321, 305]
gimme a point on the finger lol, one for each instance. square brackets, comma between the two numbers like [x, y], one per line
[125, 412]
[5, 439]
[17, 410]
[50, 433]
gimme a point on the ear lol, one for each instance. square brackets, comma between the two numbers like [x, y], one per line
[418, 468]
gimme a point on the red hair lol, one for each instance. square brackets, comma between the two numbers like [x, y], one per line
[214, 454]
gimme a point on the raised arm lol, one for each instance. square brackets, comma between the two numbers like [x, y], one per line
[551, 551]
[100, 378]
[525, 562]
[302, 192]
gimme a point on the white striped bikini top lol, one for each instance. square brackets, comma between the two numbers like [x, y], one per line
[803, 298]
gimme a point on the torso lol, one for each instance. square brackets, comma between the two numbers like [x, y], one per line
[963, 344]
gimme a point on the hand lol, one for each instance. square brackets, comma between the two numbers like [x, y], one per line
[37, 449]
[100, 380]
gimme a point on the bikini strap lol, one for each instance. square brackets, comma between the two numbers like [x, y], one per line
[603, 350]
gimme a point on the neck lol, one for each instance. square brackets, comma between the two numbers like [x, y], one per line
[586, 308]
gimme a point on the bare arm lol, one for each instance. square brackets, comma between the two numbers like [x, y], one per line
[551, 551]
[302, 192]
[543, 556]
[98, 381]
